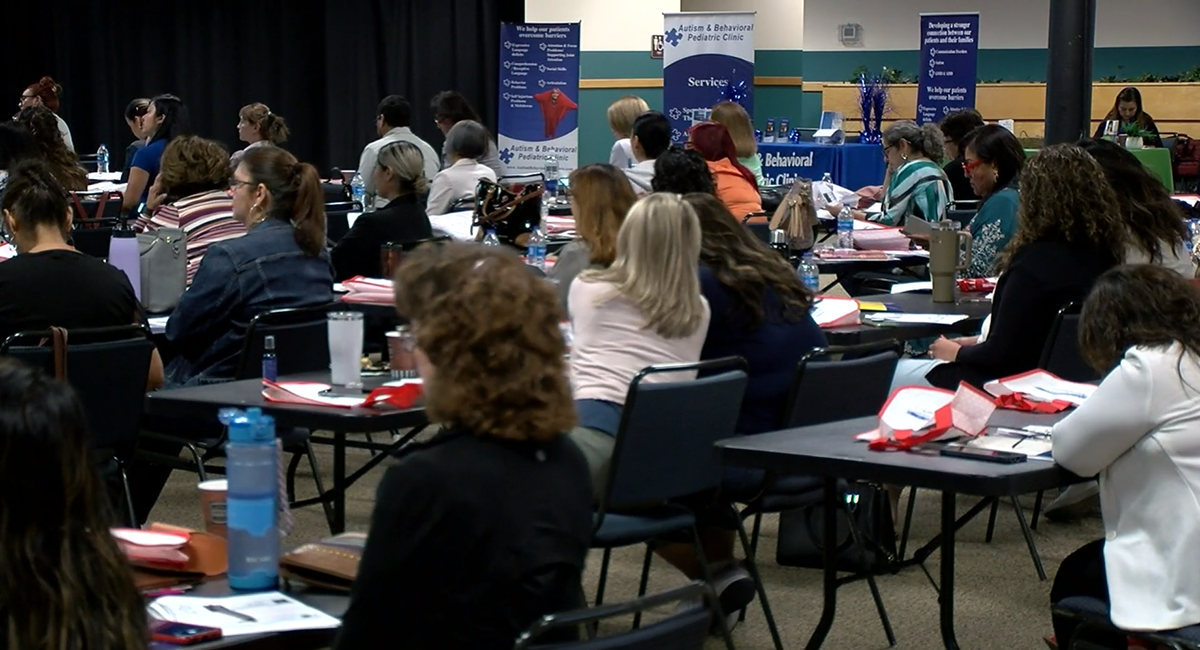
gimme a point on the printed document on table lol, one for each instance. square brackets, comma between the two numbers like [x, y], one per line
[1042, 386]
[237, 615]
[894, 318]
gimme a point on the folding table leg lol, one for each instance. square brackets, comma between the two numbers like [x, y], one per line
[337, 523]
[946, 594]
[1033, 552]
[829, 562]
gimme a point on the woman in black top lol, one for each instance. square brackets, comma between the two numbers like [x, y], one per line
[483, 530]
[1069, 232]
[399, 178]
[955, 128]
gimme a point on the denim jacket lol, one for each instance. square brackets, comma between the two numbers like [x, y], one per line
[239, 279]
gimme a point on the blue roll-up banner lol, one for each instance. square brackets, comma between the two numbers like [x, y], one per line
[539, 88]
[949, 62]
[707, 58]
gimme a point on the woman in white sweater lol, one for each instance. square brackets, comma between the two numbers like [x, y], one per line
[1140, 432]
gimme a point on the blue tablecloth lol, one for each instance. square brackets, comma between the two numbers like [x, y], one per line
[852, 165]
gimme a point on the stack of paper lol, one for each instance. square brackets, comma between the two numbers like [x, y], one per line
[558, 225]
[259, 613]
[835, 312]
[104, 176]
[372, 291]
[455, 224]
[893, 318]
[881, 239]
[1032, 444]
[402, 393]
[1041, 386]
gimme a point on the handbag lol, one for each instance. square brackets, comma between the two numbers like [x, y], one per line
[330, 563]
[802, 532]
[163, 260]
[797, 216]
[512, 209]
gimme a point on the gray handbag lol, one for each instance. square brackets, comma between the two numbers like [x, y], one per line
[163, 256]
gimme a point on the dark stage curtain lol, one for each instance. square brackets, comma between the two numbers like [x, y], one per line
[324, 66]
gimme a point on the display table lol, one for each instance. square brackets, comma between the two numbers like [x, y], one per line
[1157, 160]
[852, 166]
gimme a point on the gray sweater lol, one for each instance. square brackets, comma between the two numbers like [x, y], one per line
[572, 260]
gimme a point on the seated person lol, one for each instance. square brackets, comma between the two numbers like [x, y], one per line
[993, 162]
[399, 179]
[493, 516]
[392, 123]
[1069, 232]
[66, 584]
[49, 283]
[681, 171]
[449, 108]
[916, 184]
[192, 194]
[736, 185]
[621, 115]
[279, 263]
[736, 120]
[651, 138]
[955, 128]
[1137, 432]
[600, 198]
[42, 125]
[466, 142]
[134, 113]
[1160, 234]
[166, 118]
[1127, 111]
[258, 126]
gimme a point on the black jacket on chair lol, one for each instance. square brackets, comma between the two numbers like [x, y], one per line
[402, 220]
[471, 541]
[1041, 279]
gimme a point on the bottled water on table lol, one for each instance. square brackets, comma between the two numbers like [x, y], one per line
[845, 228]
[827, 178]
[252, 463]
[535, 252]
[551, 173]
[358, 192]
[810, 275]
[102, 159]
[489, 237]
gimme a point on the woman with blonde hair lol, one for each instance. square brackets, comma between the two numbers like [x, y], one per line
[257, 126]
[511, 493]
[621, 115]
[736, 120]
[600, 198]
[644, 309]
[400, 179]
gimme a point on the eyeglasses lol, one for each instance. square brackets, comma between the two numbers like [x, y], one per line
[234, 183]
[969, 166]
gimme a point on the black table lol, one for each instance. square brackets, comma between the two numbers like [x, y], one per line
[203, 403]
[831, 452]
[331, 603]
[971, 304]
[848, 268]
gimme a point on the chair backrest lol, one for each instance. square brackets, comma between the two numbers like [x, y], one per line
[91, 206]
[1060, 354]
[301, 341]
[961, 217]
[856, 386]
[92, 241]
[664, 446]
[465, 204]
[107, 367]
[685, 629]
[760, 227]
[337, 224]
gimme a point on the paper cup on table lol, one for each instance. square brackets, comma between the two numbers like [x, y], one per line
[212, 503]
[401, 358]
[345, 351]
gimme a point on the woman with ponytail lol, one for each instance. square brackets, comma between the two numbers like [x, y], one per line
[257, 126]
[281, 262]
[45, 93]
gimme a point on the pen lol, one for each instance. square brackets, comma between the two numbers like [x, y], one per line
[221, 609]
[919, 415]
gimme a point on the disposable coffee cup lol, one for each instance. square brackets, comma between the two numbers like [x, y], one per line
[212, 503]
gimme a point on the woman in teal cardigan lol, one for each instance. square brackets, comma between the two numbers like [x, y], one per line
[993, 162]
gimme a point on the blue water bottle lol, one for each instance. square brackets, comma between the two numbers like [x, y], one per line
[252, 463]
[810, 275]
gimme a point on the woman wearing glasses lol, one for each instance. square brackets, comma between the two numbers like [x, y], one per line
[45, 93]
[992, 161]
[917, 185]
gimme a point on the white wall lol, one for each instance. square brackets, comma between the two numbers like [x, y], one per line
[778, 24]
[606, 25]
[1006, 24]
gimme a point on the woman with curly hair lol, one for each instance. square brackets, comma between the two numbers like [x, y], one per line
[1069, 231]
[1141, 327]
[43, 127]
[45, 93]
[192, 194]
[493, 516]
[600, 198]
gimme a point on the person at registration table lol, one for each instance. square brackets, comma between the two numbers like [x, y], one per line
[600, 199]
[1138, 431]
[1127, 111]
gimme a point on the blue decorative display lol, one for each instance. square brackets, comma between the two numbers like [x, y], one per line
[737, 93]
[794, 136]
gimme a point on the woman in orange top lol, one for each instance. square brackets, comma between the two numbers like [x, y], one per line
[736, 186]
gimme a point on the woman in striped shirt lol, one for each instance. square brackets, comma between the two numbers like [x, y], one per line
[191, 193]
[916, 185]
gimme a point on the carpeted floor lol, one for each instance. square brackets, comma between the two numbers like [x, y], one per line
[999, 601]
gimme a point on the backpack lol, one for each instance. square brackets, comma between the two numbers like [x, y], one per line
[1186, 157]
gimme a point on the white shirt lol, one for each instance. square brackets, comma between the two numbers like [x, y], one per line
[455, 182]
[65, 131]
[1140, 431]
[641, 176]
[612, 343]
[370, 156]
[621, 155]
[1178, 259]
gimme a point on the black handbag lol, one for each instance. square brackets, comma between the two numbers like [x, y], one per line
[512, 208]
[771, 197]
[801, 532]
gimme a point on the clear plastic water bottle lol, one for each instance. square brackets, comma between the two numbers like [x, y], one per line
[551, 172]
[358, 193]
[489, 237]
[535, 251]
[810, 275]
[102, 159]
[252, 464]
[827, 178]
[845, 228]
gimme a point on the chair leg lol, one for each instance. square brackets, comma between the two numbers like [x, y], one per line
[133, 521]
[372, 441]
[293, 465]
[1037, 509]
[722, 625]
[198, 459]
[856, 537]
[992, 521]
[908, 516]
[637, 618]
[752, 554]
[1033, 552]
[752, 567]
[316, 471]
[603, 577]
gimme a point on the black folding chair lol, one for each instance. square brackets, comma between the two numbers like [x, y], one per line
[685, 629]
[819, 395]
[761, 229]
[93, 242]
[337, 220]
[108, 368]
